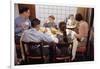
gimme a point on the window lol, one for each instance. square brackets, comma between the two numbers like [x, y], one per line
[60, 12]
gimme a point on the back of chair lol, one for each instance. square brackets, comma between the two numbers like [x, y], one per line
[66, 53]
[29, 44]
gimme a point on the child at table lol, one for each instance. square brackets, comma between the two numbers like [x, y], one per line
[67, 36]
[50, 22]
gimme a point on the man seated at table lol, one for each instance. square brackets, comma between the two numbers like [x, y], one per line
[34, 35]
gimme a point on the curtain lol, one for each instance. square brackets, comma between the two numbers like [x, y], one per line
[86, 13]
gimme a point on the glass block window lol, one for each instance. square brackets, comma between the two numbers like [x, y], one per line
[60, 12]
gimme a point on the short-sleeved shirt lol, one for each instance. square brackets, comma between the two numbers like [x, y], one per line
[19, 22]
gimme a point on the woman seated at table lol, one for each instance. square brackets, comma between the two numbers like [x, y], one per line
[71, 20]
[71, 23]
[82, 29]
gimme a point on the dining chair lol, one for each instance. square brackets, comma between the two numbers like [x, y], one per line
[80, 53]
[27, 55]
[67, 53]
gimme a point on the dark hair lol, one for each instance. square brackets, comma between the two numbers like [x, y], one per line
[35, 22]
[78, 17]
[52, 17]
[62, 25]
[23, 9]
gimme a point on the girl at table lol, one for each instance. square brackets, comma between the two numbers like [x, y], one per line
[67, 36]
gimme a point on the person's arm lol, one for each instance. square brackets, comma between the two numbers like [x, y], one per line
[29, 23]
[47, 38]
[45, 23]
[22, 36]
[21, 47]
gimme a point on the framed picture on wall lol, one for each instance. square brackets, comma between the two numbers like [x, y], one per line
[51, 34]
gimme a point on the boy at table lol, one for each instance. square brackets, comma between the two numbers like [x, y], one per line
[50, 22]
[34, 35]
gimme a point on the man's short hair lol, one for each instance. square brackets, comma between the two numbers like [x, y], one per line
[51, 16]
[78, 17]
[35, 22]
[23, 9]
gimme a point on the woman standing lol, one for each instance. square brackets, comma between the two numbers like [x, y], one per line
[82, 28]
